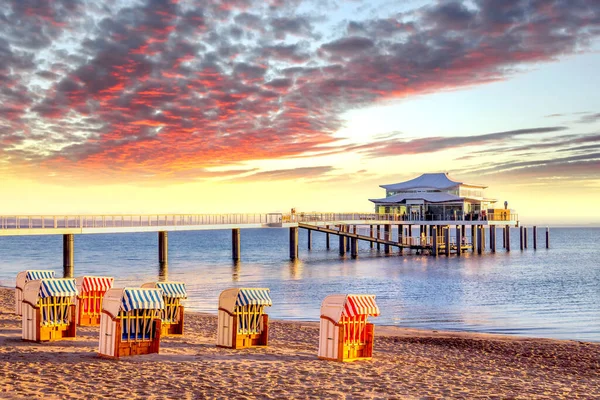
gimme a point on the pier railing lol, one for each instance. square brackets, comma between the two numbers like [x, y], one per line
[129, 221]
[325, 217]
[158, 220]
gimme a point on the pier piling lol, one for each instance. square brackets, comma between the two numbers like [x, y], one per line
[235, 244]
[535, 237]
[458, 240]
[525, 237]
[378, 236]
[68, 252]
[447, 240]
[521, 237]
[309, 238]
[547, 237]
[507, 237]
[163, 248]
[327, 245]
[354, 247]
[480, 242]
[342, 245]
[386, 235]
[435, 248]
[474, 238]
[293, 243]
[371, 234]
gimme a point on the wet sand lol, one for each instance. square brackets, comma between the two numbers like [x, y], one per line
[406, 364]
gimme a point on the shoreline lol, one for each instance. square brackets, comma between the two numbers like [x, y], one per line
[406, 363]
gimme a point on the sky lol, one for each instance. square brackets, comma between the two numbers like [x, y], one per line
[189, 106]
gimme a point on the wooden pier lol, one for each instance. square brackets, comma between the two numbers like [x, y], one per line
[434, 236]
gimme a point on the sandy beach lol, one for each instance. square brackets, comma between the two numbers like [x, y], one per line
[406, 364]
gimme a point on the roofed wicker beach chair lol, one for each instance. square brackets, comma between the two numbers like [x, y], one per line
[24, 277]
[49, 310]
[345, 334]
[242, 322]
[173, 313]
[91, 290]
[130, 323]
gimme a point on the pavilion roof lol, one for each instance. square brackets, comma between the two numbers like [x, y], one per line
[437, 181]
[430, 197]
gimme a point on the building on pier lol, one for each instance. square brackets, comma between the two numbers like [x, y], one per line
[435, 196]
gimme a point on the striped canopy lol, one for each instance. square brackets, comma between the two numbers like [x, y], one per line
[360, 304]
[96, 283]
[33, 275]
[172, 289]
[142, 299]
[57, 288]
[258, 297]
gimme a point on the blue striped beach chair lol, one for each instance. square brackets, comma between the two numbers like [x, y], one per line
[22, 278]
[49, 310]
[242, 322]
[130, 323]
[173, 314]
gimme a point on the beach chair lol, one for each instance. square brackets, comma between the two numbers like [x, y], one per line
[49, 310]
[345, 334]
[130, 322]
[91, 291]
[172, 314]
[24, 277]
[242, 322]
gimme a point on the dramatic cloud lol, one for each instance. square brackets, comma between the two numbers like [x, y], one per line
[164, 89]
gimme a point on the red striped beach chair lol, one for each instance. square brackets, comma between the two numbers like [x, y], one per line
[345, 334]
[91, 290]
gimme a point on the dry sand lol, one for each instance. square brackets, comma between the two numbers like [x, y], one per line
[406, 364]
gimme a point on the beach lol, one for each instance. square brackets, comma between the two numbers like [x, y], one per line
[406, 363]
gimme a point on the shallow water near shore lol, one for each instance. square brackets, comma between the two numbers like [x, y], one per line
[553, 293]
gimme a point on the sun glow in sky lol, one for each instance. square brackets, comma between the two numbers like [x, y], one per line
[201, 106]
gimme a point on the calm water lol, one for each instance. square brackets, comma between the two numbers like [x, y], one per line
[545, 293]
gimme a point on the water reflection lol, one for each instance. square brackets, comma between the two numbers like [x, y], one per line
[296, 267]
[163, 272]
[235, 271]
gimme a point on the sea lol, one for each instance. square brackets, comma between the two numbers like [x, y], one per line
[547, 293]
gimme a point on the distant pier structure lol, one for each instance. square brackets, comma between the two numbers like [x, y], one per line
[432, 214]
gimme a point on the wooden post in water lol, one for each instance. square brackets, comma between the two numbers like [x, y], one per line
[347, 230]
[400, 248]
[371, 234]
[525, 237]
[480, 239]
[482, 228]
[378, 237]
[294, 242]
[342, 245]
[474, 238]
[163, 248]
[309, 238]
[521, 236]
[68, 255]
[354, 247]
[507, 237]
[547, 237]
[504, 238]
[535, 237]
[458, 240]
[235, 244]
[492, 237]
[327, 246]
[386, 235]
[447, 240]
[434, 250]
